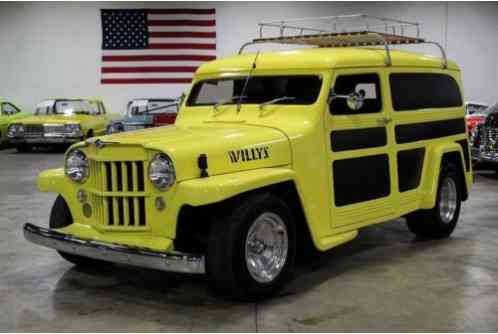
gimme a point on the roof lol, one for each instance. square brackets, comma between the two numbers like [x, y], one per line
[322, 58]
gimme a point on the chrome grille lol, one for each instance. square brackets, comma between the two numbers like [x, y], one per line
[33, 130]
[56, 129]
[121, 204]
[489, 140]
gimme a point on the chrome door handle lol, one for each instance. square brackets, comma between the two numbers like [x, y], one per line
[384, 120]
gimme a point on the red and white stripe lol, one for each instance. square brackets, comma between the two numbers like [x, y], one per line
[180, 40]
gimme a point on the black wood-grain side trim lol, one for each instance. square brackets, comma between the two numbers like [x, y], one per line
[407, 133]
[361, 179]
[410, 164]
[356, 139]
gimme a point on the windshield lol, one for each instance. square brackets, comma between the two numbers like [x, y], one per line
[65, 108]
[300, 90]
[476, 109]
[145, 107]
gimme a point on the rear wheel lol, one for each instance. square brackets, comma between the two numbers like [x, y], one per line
[440, 221]
[60, 216]
[251, 248]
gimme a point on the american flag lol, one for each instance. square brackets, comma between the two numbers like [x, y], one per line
[155, 46]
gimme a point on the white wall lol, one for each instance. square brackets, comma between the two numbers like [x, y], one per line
[53, 49]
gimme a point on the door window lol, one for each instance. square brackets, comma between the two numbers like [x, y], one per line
[9, 109]
[365, 85]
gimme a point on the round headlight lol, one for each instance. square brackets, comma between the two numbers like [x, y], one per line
[115, 128]
[76, 166]
[73, 130]
[15, 130]
[162, 172]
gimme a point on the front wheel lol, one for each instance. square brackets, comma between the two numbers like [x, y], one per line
[60, 216]
[439, 222]
[252, 248]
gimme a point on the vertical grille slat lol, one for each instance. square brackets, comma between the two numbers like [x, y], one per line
[115, 209]
[122, 207]
[136, 211]
[135, 176]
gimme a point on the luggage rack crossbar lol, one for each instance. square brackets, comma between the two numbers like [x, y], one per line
[366, 30]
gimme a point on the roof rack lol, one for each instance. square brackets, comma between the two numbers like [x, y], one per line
[366, 30]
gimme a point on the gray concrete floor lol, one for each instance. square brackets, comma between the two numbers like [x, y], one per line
[385, 280]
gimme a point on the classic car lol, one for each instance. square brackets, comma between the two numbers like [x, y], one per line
[474, 115]
[59, 121]
[8, 113]
[272, 152]
[485, 139]
[146, 113]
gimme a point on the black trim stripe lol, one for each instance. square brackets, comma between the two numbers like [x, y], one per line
[345, 140]
[407, 133]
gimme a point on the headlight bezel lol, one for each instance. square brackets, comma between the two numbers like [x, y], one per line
[162, 172]
[77, 173]
[15, 130]
[116, 127]
[73, 130]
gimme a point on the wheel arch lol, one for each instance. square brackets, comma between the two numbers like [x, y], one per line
[439, 156]
[194, 221]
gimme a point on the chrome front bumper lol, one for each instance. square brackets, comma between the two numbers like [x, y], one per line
[488, 157]
[173, 262]
[44, 140]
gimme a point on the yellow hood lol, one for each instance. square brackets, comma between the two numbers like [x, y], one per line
[229, 147]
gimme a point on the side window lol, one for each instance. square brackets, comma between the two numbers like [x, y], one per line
[366, 85]
[413, 91]
[9, 109]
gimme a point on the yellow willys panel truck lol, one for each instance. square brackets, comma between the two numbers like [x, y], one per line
[271, 151]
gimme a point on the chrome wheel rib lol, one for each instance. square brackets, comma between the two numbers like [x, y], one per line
[448, 200]
[266, 247]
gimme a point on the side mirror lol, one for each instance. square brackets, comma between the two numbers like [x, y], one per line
[355, 100]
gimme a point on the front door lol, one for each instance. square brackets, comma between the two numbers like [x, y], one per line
[360, 158]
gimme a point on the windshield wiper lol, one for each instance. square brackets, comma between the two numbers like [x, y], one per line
[278, 99]
[233, 98]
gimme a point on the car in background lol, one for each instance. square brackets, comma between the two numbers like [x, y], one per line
[474, 114]
[8, 113]
[485, 139]
[59, 121]
[146, 113]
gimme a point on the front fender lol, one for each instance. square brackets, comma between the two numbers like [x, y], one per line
[217, 188]
[431, 183]
[52, 180]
